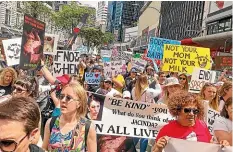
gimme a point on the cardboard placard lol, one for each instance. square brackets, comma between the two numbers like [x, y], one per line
[156, 47]
[199, 78]
[12, 49]
[181, 58]
[223, 62]
[50, 43]
[92, 78]
[32, 43]
[65, 62]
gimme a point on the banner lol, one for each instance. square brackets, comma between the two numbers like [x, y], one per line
[223, 62]
[135, 119]
[199, 78]
[50, 43]
[211, 117]
[139, 64]
[92, 78]
[156, 47]
[65, 62]
[179, 145]
[114, 68]
[32, 43]
[180, 58]
[12, 49]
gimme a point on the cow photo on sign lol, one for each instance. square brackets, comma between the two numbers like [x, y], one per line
[12, 48]
[50, 43]
[32, 43]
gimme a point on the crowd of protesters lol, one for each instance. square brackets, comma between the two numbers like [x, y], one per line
[45, 113]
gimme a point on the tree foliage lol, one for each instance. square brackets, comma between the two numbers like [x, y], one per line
[70, 15]
[93, 37]
[36, 9]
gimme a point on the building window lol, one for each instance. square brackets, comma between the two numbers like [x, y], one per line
[18, 4]
[18, 20]
[220, 26]
[7, 17]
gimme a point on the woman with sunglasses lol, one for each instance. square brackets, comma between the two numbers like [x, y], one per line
[67, 132]
[183, 79]
[189, 113]
[7, 79]
[223, 125]
[19, 123]
[209, 93]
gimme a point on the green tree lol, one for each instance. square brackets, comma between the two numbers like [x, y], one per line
[70, 15]
[36, 9]
[93, 37]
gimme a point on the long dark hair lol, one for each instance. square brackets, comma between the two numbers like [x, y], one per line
[224, 112]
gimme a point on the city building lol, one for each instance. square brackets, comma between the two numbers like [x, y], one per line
[217, 29]
[121, 15]
[148, 25]
[181, 19]
[101, 15]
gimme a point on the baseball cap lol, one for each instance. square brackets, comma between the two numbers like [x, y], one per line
[135, 70]
[97, 67]
[126, 94]
[107, 80]
[171, 81]
[64, 79]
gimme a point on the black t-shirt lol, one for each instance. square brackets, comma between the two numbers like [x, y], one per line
[35, 148]
[5, 90]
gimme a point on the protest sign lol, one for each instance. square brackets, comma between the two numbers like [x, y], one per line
[50, 43]
[114, 68]
[199, 78]
[82, 49]
[211, 117]
[180, 58]
[139, 64]
[106, 59]
[32, 43]
[12, 49]
[156, 45]
[180, 145]
[65, 62]
[92, 78]
[137, 119]
[122, 56]
[107, 53]
[223, 62]
[144, 57]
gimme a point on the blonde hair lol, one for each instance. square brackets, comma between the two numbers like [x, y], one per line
[215, 102]
[141, 85]
[3, 73]
[82, 96]
[226, 86]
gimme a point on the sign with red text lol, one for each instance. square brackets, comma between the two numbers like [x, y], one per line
[199, 78]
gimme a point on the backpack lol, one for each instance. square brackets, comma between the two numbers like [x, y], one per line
[87, 127]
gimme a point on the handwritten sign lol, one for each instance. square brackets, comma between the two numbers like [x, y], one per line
[137, 119]
[12, 49]
[211, 117]
[65, 62]
[156, 45]
[139, 63]
[114, 68]
[106, 53]
[92, 78]
[199, 78]
[180, 58]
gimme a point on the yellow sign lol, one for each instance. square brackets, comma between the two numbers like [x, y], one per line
[181, 58]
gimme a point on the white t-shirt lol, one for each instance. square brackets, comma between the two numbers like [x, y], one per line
[223, 124]
[112, 92]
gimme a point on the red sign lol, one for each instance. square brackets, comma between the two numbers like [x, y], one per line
[223, 62]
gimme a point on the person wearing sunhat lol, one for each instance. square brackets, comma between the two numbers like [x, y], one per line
[171, 85]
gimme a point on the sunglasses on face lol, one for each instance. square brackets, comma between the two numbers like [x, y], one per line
[10, 145]
[194, 110]
[18, 89]
[182, 78]
[67, 98]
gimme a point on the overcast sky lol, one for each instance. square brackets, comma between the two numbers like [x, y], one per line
[92, 3]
